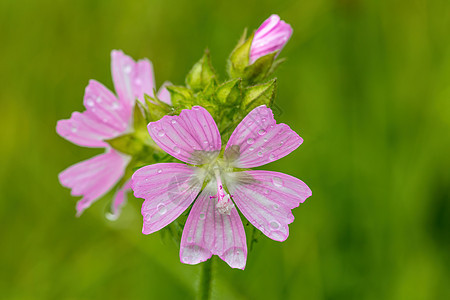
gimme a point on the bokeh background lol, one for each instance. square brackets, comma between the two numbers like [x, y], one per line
[366, 84]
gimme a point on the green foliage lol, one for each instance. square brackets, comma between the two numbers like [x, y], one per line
[202, 74]
[366, 86]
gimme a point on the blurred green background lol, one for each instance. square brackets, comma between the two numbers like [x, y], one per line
[366, 84]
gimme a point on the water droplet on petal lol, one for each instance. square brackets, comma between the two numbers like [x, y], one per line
[251, 148]
[138, 81]
[159, 171]
[267, 191]
[277, 181]
[250, 141]
[161, 133]
[272, 157]
[190, 239]
[90, 103]
[176, 149]
[260, 154]
[202, 216]
[173, 121]
[161, 209]
[264, 119]
[274, 225]
[276, 206]
[115, 105]
[99, 99]
[147, 217]
[249, 123]
[262, 132]
[265, 140]
[127, 69]
[74, 129]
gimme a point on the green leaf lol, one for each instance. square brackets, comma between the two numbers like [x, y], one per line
[239, 58]
[259, 94]
[229, 92]
[201, 74]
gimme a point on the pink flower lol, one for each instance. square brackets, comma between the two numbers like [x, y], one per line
[271, 36]
[214, 226]
[106, 116]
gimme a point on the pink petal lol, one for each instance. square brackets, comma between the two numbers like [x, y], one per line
[191, 137]
[92, 178]
[271, 36]
[104, 118]
[208, 232]
[164, 94]
[266, 198]
[103, 104]
[131, 80]
[119, 200]
[168, 190]
[259, 140]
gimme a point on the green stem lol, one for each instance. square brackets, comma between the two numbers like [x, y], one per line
[204, 290]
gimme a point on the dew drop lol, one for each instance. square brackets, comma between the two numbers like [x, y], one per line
[173, 121]
[90, 103]
[281, 143]
[266, 191]
[262, 132]
[265, 140]
[176, 149]
[276, 206]
[249, 123]
[190, 239]
[159, 171]
[272, 157]
[274, 225]
[260, 154]
[277, 181]
[138, 81]
[251, 148]
[148, 217]
[264, 120]
[115, 105]
[161, 209]
[74, 129]
[250, 141]
[161, 133]
[127, 69]
[99, 99]
[202, 216]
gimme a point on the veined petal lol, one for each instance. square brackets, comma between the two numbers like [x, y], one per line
[119, 200]
[102, 104]
[208, 232]
[271, 36]
[131, 80]
[266, 198]
[259, 140]
[92, 178]
[191, 137]
[85, 129]
[168, 190]
[164, 94]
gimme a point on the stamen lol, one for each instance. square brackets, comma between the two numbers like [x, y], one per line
[224, 204]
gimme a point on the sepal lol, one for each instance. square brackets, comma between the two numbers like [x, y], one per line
[202, 74]
[259, 94]
[229, 92]
[181, 96]
[156, 109]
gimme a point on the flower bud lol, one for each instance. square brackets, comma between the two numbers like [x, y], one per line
[271, 36]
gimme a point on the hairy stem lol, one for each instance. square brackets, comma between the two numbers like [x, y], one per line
[204, 290]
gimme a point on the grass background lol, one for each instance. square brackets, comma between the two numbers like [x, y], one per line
[367, 85]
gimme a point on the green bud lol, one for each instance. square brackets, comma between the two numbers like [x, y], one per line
[239, 58]
[201, 74]
[180, 96]
[229, 92]
[259, 94]
[156, 108]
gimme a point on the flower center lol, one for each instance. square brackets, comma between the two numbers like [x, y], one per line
[224, 204]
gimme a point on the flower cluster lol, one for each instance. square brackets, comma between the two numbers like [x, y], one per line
[146, 134]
